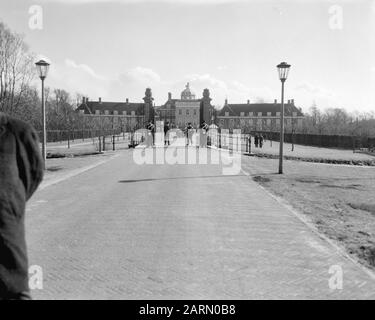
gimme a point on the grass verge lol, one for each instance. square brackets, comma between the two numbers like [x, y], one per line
[338, 200]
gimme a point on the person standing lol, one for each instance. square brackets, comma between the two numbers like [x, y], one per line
[166, 133]
[203, 134]
[21, 172]
[260, 141]
[256, 140]
[150, 134]
[189, 132]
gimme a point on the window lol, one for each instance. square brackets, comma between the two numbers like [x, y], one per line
[106, 112]
[115, 112]
[259, 114]
[269, 114]
[195, 112]
[133, 113]
[124, 113]
[294, 114]
[242, 114]
[97, 112]
[277, 114]
[187, 112]
[180, 112]
[250, 114]
[81, 111]
[226, 113]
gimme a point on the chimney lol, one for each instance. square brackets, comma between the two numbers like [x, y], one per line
[248, 101]
[169, 96]
[226, 101]
[100, 99]
[127, 100]
[292, 102]
[87, 99]
[83, 100]
[275, 101]
[288, 101]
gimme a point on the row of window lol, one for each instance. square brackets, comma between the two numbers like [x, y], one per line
[259, 114]
[114, 112]
[268, 122]
[187, 112]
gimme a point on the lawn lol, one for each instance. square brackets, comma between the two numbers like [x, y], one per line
[311, 152]
[339, 200]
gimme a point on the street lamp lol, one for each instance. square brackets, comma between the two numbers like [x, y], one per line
[42, 67]
[283, 69]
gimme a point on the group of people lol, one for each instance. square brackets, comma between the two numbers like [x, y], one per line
[258, 140]
[189, 131]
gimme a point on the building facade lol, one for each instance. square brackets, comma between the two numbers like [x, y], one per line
[179, 112]
[259, 116]
[128, 115]
[248, 117]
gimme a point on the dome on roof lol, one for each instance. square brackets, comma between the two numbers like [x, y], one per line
[186, 94]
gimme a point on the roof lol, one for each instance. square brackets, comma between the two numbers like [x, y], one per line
[92, 106]
[236, 109]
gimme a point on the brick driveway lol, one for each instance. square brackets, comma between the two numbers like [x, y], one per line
[131, 231]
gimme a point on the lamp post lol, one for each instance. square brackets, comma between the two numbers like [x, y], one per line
[42, 68]
[283, 69]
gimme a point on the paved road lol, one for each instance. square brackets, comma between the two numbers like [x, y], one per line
[129, 231]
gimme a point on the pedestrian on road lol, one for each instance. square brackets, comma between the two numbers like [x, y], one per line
[203, 134]
[150, 134]
[21, 171]
[260, 141]
[189, 133]
[256, 140]
[166, 133]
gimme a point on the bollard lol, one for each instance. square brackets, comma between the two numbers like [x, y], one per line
[114, 143]
[103, 143]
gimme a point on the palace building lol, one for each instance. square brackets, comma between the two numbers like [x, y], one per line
[259, 116]
[132, 115]
[179, 112]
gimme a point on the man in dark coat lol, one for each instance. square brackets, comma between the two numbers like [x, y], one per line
[256, 140]
[166, 133]
[21, 171]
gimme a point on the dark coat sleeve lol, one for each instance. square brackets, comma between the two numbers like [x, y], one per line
[29, 159]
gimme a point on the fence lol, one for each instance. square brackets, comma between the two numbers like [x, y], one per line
[316, 140]
[65, 135]
[136, 137]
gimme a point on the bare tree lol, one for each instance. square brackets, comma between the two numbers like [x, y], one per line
[16, 70]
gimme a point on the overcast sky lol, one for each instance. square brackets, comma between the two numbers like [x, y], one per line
[115, 49]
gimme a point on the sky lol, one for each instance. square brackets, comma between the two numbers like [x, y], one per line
[114, 49]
